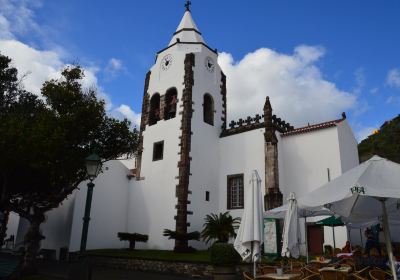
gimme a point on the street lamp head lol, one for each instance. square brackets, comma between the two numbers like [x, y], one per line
[93, 166]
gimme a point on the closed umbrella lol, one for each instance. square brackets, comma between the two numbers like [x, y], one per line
[250, 234]
[362, 194]
[290, 246]
[280, 213]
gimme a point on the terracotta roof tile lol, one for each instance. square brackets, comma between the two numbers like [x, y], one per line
[313, 127]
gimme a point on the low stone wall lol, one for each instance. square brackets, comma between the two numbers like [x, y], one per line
[190, 269]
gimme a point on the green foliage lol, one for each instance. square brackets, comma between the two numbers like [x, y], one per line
[171, 234]
[223, 254]
[44, 142]
[385, 143]
[219, 227]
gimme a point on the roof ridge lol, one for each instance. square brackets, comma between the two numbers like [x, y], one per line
[313, 127]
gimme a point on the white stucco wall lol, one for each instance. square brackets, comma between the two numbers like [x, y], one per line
[109, 209]
[205, 162]
[240, 153]
[57, 227]
[306, 158]
[12, 225]
[347, 146]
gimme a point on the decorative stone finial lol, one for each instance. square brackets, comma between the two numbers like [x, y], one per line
[187, 5]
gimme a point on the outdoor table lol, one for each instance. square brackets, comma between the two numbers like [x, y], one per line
[284, 276]
[320, 263]
[344, 269]
[344, 255]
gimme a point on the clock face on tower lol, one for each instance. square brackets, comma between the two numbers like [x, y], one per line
[166, 62]
[209, 64]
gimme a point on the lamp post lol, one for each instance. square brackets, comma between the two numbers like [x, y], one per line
[93, 167]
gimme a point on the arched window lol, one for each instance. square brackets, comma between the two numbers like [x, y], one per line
[154, 114]
[208, 109]
[171, 98]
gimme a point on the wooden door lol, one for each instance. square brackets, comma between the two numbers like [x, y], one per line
[315, 236]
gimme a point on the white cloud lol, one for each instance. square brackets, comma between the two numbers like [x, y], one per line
[393, 100]
[38, 66]
[126, 112]
[5, 28]
[113, 68]
[17, 17]
[364, 132]
[374, 91]
[298, 92]
[360, 81]
[393, 78]
[20, 17]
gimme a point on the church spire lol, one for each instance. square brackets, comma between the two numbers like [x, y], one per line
[187, 30]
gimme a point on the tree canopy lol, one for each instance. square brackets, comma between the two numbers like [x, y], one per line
[45, 140]
[385, 142]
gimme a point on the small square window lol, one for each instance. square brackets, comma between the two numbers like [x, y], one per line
[158, 150]
[207, 196]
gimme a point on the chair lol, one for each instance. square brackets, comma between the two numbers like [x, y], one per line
[333, 275]
[265, 269]
[378, 274]
[362, 274]
[313, 276]
[309, 270]
[247, 275]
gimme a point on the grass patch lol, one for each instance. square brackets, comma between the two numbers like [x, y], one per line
[163, 255]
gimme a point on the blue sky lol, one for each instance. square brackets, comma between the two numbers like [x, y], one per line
[335, 55]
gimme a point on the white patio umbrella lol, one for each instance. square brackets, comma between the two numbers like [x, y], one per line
[362, 194]
[290, 244]
[250, 234]
[280, 213]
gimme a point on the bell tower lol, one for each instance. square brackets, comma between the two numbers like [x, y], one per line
[183, 113]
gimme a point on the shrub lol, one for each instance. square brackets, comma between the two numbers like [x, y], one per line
[219, 227]
[132, 238]
[172, 234]
[223, 254]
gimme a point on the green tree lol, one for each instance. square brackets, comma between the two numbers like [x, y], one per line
[385, 142]
[45, 143]
[219, 227]
[9, 90]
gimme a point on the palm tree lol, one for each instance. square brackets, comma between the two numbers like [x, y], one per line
[219, 227]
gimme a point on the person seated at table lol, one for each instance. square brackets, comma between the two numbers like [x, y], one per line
[328, 250]
[347, 248]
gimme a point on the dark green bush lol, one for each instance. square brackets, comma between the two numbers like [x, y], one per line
[223, 254]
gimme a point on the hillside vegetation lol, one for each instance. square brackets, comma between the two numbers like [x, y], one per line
[385, 142]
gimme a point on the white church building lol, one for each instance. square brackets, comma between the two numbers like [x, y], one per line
[192, 162]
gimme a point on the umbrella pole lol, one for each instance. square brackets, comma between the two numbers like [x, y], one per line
[252, 258]
[334, 241]
[349, 238]
[362, 244]
[306, 237]
[388, 239]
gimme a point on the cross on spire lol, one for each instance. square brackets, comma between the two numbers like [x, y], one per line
[187, 5]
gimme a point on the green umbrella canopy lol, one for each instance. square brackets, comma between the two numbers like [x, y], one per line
[332, 221]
